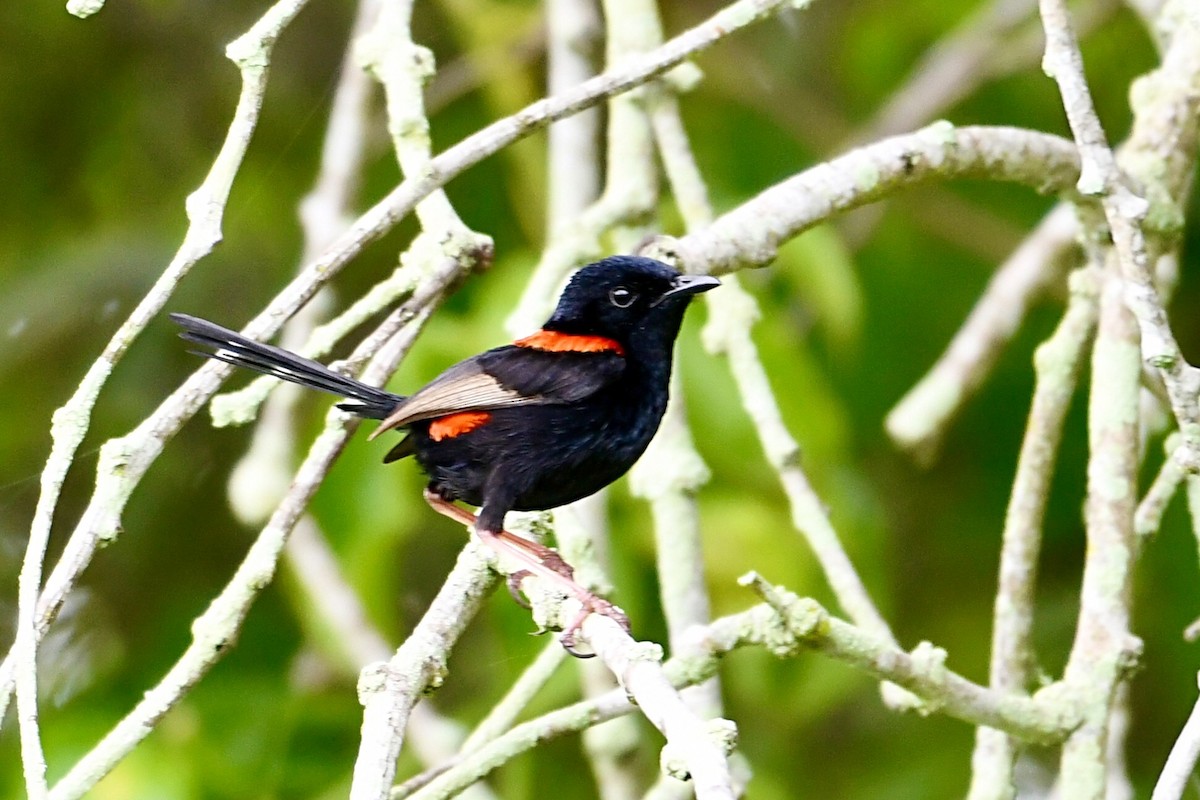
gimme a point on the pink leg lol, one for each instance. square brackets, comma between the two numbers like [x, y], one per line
[537, 560]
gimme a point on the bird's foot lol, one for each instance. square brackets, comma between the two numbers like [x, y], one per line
[560, 573]
[536, 559]
[513, 582]
[592, 604]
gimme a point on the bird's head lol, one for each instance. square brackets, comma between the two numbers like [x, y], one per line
[627, 298]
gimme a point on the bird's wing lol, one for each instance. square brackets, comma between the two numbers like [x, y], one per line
[505, 377]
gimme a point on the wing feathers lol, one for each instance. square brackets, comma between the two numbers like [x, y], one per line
[468, 390]
[506, 377]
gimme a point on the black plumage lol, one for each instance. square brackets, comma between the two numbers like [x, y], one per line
[549, 419]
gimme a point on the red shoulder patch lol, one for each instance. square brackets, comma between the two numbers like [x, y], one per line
[452, 425]
[559, 342]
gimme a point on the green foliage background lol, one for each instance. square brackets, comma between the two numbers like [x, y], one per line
[109, 123]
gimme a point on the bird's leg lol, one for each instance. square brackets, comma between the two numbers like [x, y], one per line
[545, 555]
[536, 559]
[459, 514]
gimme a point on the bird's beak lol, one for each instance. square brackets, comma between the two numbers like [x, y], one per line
[688, 284]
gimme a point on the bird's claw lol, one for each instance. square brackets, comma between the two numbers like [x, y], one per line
[591, 605]
[514, 588]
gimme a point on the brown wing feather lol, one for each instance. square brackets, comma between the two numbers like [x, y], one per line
[463, 387]
[508, 376]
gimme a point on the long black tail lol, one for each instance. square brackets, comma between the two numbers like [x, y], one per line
[233, 348]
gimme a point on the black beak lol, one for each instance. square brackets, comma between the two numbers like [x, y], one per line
[688, 285]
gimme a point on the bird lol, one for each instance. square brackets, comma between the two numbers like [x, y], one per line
[549, 419]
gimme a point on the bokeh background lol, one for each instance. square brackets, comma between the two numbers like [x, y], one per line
[108, 124]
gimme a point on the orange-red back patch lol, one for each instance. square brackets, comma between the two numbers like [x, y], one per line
[559, 342]
[452, 425]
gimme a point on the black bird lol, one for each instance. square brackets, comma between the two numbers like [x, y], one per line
[536, 424]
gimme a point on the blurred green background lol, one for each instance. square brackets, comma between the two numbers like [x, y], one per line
[110, 122]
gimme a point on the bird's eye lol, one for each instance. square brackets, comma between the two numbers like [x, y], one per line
[622, 297]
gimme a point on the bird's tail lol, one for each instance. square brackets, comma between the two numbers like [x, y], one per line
[233, 348]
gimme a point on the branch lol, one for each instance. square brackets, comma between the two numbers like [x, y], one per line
[787, 626]
[1148, 517]
[389, 691]
[205, 210]
[1181, 763]
[696, 749]
[1166, 113]
[750, 235]
[1058, 362]
[216, 629]
[1125, 210]
[922, 416]
[1104, 649]
[262, 475]
[125, 460]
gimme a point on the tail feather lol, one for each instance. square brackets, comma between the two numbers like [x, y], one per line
[233, 348]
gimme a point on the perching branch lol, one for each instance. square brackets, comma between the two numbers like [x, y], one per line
[788, 626]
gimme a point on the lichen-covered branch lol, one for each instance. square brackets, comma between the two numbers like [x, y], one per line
[1058, 362]
[217, 628]
[1148, 517]
[788, 626]
[1104, 649]
[919, 420]
[389, 691]
[1126, 211]
[123, 461]
[750, 235]
[205, 210]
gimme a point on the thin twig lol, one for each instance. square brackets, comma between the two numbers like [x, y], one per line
[1149, 514]
[502, 715]
[217, 628]
[205, 209]
[1181, 763]
[123, 461]
[1058, 362]
[919, 420]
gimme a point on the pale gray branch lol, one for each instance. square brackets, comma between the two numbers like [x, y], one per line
[788, 626]
[123, 461]
[750, 234]
[1104, 649]
[1181, 763]
[1058, 363]
[215, 630]
[922, 416]
[205, 210]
